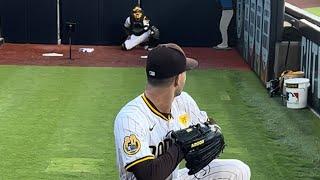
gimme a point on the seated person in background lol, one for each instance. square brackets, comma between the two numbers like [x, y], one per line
[139, 30]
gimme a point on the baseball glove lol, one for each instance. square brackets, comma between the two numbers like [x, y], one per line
[200, 145]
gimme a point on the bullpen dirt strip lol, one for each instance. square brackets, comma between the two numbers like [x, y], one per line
[109, 56]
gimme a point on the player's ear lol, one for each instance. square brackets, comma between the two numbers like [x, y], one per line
[176, 80]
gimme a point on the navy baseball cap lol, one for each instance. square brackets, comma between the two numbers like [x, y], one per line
[168, 60]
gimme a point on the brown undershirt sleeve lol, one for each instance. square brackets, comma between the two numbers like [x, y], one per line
[159, 168]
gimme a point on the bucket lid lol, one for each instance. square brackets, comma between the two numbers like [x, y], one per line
[296, 81]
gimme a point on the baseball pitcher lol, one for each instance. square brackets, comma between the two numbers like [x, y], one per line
[158, 129]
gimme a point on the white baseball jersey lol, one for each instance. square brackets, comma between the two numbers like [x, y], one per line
[141, 130]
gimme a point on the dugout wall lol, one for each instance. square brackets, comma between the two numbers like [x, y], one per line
[29, 21]
[186, 22]
[101, 22]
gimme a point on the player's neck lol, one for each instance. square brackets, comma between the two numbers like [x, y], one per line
[162, 99]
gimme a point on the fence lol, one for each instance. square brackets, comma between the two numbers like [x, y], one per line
[259, 28]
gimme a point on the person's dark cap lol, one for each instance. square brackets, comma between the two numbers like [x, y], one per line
[168, 60]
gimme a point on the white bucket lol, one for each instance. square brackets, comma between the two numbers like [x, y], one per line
[297, 92]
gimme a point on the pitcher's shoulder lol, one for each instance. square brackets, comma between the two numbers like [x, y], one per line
[132, 110]
[184, 96]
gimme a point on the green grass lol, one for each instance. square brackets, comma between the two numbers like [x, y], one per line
[314, 10]
[57, 122]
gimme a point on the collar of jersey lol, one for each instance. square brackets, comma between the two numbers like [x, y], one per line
[154, 109]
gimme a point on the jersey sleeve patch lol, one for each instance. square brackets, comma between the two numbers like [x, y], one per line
[131, 145]
[184, 120]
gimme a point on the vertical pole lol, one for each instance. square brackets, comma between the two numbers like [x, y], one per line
[1, 38]
[0, 27]
[58, 23]
[277, 16]
[70, 42]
